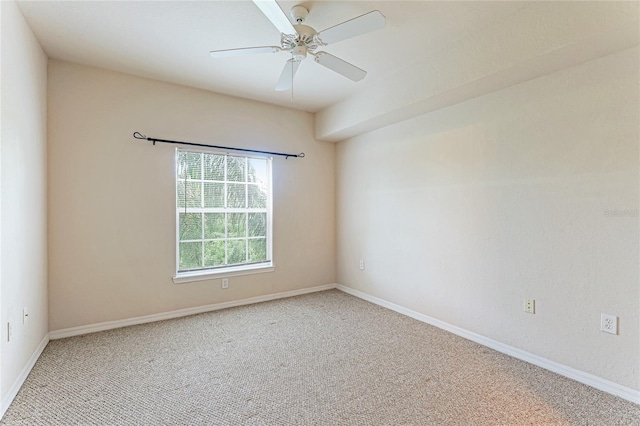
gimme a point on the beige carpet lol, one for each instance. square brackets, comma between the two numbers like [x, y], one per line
[320, 359]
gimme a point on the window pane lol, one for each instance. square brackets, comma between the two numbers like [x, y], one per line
[257, 170]
[214, 253]
[257, 224]
[213, 167]
[236, 225]
[236, 168]
[180, 193]
[214, 194]
[222, 206]
[189, 165]
[236, 195]
[190, 192]
[190, 226]
[214, 226]
[190, 255]
[257, 197]
[236, 251]
[257, 249]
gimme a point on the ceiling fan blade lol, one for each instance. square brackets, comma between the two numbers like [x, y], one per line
[371, 21]
[244, 51]
[278, 18]
[286, 77]
[341, 67]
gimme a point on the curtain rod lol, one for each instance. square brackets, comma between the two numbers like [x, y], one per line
[139, 135]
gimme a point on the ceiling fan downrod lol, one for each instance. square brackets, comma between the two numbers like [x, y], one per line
[299, 13]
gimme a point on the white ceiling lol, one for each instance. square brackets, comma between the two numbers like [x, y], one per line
[430, 55]
[170, 41]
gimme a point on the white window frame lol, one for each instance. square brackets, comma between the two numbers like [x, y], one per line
[223, 271]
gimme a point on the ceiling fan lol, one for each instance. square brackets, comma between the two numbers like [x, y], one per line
[301, 40]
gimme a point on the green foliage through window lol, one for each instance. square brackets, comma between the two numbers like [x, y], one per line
[222, 207]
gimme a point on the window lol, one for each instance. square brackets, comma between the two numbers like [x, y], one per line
[223, 213]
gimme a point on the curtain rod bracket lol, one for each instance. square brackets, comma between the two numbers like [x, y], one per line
[139, 135]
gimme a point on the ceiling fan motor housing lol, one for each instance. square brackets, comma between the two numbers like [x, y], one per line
[300, 43]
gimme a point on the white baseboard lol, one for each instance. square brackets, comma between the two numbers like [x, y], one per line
[577, 375]
[92, 328]
[13, 391]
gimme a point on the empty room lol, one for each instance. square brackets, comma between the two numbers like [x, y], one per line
[320, 212]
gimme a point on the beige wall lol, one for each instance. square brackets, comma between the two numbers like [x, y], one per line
[463, 213]
[23, 223]
[111, 208]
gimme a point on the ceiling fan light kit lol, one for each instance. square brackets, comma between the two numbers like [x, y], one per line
[301, 40]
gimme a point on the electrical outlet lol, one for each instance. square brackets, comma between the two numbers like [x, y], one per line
[25, 314]
[362, 264]
[225, 283]
[9, 331]
[609, 323]
[530, 306]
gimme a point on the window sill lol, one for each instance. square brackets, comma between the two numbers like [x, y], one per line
[186, 277]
